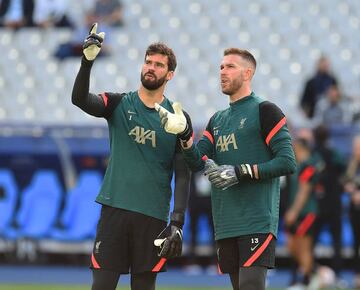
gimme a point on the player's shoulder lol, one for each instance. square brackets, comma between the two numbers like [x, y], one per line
[267, 106]
[269, 110]
[130, 95]
[317, 161]
[126, 98]
[116, 95]
[257, 99]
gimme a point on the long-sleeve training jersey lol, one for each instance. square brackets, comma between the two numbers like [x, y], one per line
[250, 131]
[141, 164]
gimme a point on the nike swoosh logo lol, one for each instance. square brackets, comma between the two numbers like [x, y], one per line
[253, 248]
[179, 234]
[131, 112]
[217, 127]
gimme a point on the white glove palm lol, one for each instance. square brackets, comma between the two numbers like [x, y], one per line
[174, 123]
[92, 44]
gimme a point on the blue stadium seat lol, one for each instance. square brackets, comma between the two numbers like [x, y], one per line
[347, 234]
[325, 238]
[39, 207]
[81, 212]
[7, 199]
[204, 234]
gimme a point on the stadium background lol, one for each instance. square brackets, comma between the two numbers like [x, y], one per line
[57, 154]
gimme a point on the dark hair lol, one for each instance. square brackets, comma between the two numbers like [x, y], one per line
[246, 55]
[161, 48]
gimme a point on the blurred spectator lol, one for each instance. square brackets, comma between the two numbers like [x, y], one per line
[108, 13]
[16, 13]
[301, 214]
[333, 109]
[49, 13]
[329, 193]
[352, 187]
[317, 86]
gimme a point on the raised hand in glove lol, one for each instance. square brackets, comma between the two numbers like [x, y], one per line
[225, 176]
[169, 242]
[92, 43]
[175, 123]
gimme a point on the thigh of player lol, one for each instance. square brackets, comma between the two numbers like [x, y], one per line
[246, 251]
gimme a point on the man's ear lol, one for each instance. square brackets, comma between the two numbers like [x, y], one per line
[169, 75]
[248, 73]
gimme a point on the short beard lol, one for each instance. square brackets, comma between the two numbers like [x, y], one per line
[152, 85]
[233, 88]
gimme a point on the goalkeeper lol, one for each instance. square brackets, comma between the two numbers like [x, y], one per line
[132, 233]
[251, 147]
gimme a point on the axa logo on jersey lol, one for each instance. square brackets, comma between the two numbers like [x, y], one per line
[224, 141]
[141, 135]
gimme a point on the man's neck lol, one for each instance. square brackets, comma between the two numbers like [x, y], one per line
[149, 98]
[242, 93]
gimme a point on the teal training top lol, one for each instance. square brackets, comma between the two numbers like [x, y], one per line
[140, 168]
[251, 131]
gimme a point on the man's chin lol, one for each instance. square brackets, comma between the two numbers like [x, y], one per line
[150, 85]
[226, 92]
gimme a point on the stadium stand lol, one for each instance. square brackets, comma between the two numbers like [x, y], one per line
[80, 215]
[78, 219]
[39, 208]
[287, 37]
[286, 41]
[8, 198]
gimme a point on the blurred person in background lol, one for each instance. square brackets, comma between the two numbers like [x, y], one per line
[352, 187]
[250, 148]
[132, 233]
[51, 13]
[109, 15]
[302, 211]
[16, 13]
[316, 86]
[329, 193]
[333, 109]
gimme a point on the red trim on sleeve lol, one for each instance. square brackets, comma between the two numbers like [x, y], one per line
[274, 130]
[259, 251]
[94, 262]
[159, 265]
[105, 98]
[305, 224]
[209, 136]
[307, 174]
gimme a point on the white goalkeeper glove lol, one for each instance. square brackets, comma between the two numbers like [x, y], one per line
[92, 43]
[174, 123]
